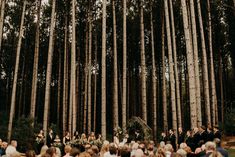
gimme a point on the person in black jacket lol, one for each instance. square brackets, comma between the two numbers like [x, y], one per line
[163, 137]
[181, 136]
[172, 138]
[217, 133]
[210, 134]
[203, 134]
[196, 137]
[50, 138]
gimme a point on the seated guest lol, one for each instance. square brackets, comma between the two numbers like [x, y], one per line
[11, 149]
[219, 148]
[210, 148]
[67, 150]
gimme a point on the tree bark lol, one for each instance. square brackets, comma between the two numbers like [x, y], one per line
[13, 95]
[3, 3]
[65, 79]
[124, 81]
[190, 66]
[35, 64]
[103, 75]
[171, 64]
[175, 65]
[212, 76]
[73, 69]
[154, 79]
[89, 70]
[197, 75]
[143, 66]
[59, 91]
[164, 99]
[115, 71]
[49, 69]
[204, 67]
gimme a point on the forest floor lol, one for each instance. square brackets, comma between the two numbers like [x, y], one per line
[229, 144]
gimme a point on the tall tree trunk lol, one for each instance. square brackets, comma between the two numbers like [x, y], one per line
[190, 66]
[103, 75]
[154, 79]
[3, 2]
[197, 75]
[21, 93]
[65, 79]
[143, 66]
[164, 99]
[221, 87]
[204, 66]
[35, 64]
[86, 79]
[95, 82]
[171, 64]
[59, 91]
[212, 76]
[89, 70]
[13, 95]
[124, 81]
[49, 69]
[115, 71]
[175, 65]
[73, 69]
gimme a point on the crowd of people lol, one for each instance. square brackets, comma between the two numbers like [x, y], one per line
[199, 142]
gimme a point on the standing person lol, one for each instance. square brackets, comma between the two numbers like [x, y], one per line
[189, 139]
[210, 134]
[172, 138]
[76, 136]
[203, 135]
[217, 133]
[66, 138]
[163, 137]
[196, 137]
[91, 138]
[39, 141]
[11, 149]
[181, 136]
[50, 138]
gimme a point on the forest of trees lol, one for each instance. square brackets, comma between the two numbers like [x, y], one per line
[92, 65]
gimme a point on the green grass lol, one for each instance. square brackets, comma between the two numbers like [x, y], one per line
[231, 152]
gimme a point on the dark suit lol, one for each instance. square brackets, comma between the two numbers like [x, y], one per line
[50, 139]
[181, 138]
[172, 139]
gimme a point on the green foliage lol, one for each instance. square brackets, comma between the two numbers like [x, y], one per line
[23, 132]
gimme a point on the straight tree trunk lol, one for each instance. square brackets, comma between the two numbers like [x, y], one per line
[115, 71]
[65, 79]
[175, 65]
[154, 79]
[164, 99]
[143, 66]
[95, 83]
[103, 75]
[49, 69]
[73, 69]
[171, 64]
[221, 87]
[124, 81]
[13, 95]
[59, 91]
[35, 64]
[89, 71]
[204, 67]
[212, 78]
[86, 79]
[190, 66]
[197, 76]
[2, 7]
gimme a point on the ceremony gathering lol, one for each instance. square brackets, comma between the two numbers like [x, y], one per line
[117, 78]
